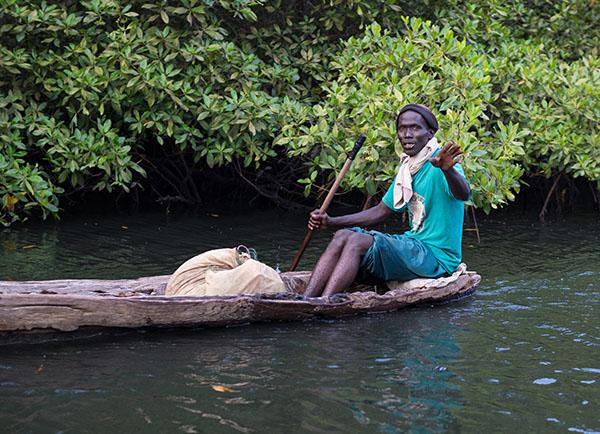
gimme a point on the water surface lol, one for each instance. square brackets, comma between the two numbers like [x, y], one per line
[522, 355]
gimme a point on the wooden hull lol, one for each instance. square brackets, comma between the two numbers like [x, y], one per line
[69, 305]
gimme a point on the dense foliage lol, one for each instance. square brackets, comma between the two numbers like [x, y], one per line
[379, 72]
[546, 77]
[113, 95]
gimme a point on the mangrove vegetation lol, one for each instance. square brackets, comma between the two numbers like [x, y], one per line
[171, 98]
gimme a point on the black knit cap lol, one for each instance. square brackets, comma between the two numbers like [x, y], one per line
[423, 111]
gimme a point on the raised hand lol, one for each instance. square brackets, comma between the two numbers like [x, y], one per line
[447, 157]
[318, 220]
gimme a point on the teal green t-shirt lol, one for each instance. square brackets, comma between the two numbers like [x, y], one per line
[435, 215]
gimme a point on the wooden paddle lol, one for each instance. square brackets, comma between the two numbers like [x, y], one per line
[329, 198]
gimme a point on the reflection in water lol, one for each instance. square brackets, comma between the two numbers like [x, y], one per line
[521, 355]
[124, 247]
[354, 375]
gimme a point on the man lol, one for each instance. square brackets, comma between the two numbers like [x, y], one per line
[430, 184]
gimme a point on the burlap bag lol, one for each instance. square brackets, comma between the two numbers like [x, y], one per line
[223, 272]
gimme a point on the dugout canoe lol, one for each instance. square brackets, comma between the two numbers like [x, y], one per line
[69, 305]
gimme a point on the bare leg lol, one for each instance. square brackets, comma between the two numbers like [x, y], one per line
[326, 264]
[348, 263]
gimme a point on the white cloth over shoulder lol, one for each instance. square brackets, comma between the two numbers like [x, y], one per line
[428, 283]
[408, 167]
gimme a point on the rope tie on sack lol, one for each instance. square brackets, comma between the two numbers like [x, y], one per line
[245, 253]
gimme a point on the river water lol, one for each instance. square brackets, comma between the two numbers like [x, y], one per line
[521, 355]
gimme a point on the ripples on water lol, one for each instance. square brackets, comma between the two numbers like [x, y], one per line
[522, 355]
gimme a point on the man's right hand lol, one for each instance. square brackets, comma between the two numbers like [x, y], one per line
[318, 220]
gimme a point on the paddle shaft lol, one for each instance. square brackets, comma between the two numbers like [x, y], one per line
[328, 199]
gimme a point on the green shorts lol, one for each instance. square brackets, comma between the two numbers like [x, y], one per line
[396, 257]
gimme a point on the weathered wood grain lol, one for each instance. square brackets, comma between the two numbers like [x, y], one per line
[121, 288]
[67, 305]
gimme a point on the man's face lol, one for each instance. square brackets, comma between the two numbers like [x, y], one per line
[413, 132]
